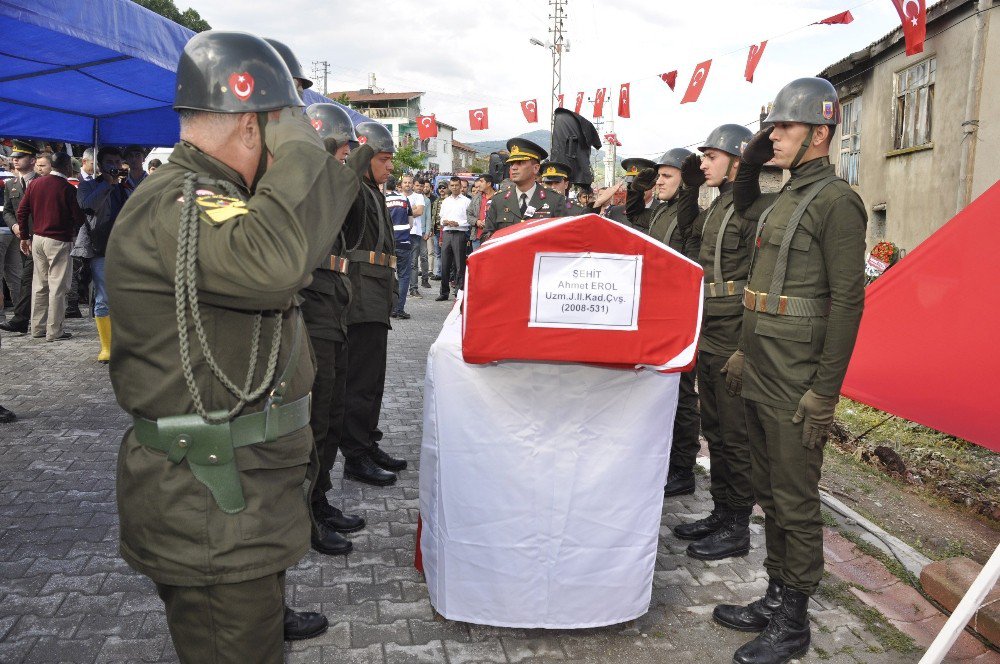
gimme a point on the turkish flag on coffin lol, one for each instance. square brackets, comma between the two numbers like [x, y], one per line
[479, 118]
[698, 79]
[530, 110]
[923, 350]
[913, 16]
[581, 289]
[427, 126]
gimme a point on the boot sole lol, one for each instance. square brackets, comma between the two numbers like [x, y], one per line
[738, 628]
[685, 492]
[311, 635]
[741, 553]
[692, 538]
[327, 552]
[795, 655]
[366, 480]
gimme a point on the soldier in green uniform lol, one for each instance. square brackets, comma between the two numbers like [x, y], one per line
[372, 271]
[633, 166]
[670, 223]
[555, 176]
[210, 357]
[324, 308]
[525, 201]
[720, 241]
[803, 307]
[22, 156]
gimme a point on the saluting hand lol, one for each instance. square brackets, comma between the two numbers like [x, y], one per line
[759, 149]
[645, 180]
[691, 174]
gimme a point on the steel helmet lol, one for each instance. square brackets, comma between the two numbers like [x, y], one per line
[376, 135]
[293, 63]
[674, 157]
[811, 101]
[232, 72]
[332, 121]
[730, 138]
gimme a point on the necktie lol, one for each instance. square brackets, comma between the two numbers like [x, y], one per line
[524, 203]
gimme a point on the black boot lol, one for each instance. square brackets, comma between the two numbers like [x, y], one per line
[304, 624]
[680, 482]
[703, 527]
[732, 540]
[330, 542]
[363, 469]
[335, 520]
[785, 637]
[383, 460]
[754, 616]
[6, 416]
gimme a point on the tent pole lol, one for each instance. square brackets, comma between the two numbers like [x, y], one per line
[960, 617]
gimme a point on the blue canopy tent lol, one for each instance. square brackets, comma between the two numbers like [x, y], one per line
[91, 72]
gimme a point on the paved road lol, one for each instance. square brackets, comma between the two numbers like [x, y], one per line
[66, 596]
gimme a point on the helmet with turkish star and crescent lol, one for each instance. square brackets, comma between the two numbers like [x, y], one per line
[232, 72]
[811, 101]
[674, 157]
[376, 135]
[332, 121]
[730, 138]
[291, 61]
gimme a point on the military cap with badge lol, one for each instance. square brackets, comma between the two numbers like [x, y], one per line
[521, 149]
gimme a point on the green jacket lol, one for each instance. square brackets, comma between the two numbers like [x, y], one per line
[722, 316]
[668, 222]
[373, 286]
[505, 210]
[787, 355]
[171, 528]
[325, 301]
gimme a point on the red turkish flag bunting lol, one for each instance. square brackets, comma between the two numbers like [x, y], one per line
[698, 79]
[599, 102]
[913, 15]
[753, 59]
[579, 101]
[427, 126]
[670, 78]
[613, 140]
[843, 18]
[530, 109]
[479, 118]
[561, 98]
[623, 100]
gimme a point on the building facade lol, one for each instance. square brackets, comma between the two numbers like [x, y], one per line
[463, 156]
[904, 123]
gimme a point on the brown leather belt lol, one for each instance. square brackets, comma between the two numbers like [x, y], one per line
[724, 288]
[336, 264]
[373, 257]
[787, 306]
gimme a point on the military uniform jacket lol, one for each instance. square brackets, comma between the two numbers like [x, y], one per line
[785, 354]
[373, 286]
[252, 257]
[505, 210]
[12, 195]
[574, 209]
[326, 299]
[723, 313]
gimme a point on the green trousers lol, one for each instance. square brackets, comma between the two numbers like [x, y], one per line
[723, 423]
[685, 446]
[233, 623]
[786, 483]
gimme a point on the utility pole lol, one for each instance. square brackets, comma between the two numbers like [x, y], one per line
[558, 45]
[321, 69]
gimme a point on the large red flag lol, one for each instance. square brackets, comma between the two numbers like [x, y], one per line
[561, 98]
[623, 100]
[530, 110]
[427, 126]
[698, 79]
[843, 18]
[599, 102]
[579, 102]
[919, 353]
[479, 118]
[753, 59]
[670, 78]
[913, 16]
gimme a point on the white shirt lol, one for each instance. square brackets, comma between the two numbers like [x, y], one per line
[416, 223]
[454, 208]
[528, 195]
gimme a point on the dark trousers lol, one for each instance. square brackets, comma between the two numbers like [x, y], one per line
[232, 623]
[403, 270]
[78, 287]
[685, 446]
[328, 397]
[367, 345]
[453, 257]
[723, 423]
[22, 305]
[786, 477]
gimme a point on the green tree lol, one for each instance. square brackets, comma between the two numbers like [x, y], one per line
[407, 158]
[189, 18]
[343, 99]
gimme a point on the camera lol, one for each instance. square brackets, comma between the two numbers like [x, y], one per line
[115, 172]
